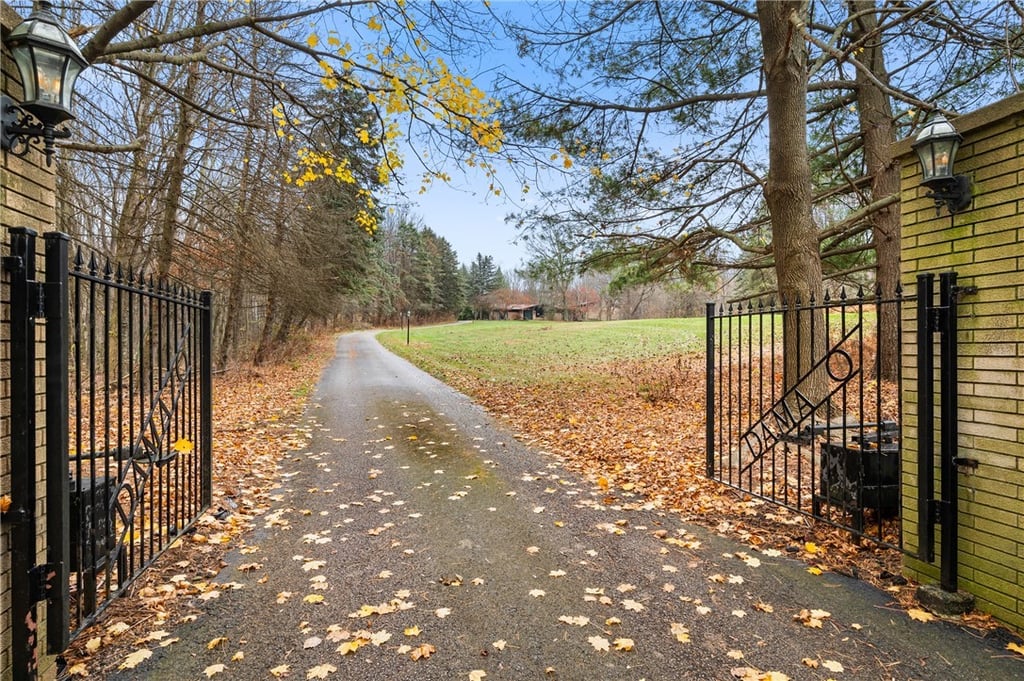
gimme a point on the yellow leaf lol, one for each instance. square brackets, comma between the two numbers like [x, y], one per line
[833, 666]
[599, 643]
[93, 644]
[238, 657]
[214, 669]
[499, 644]
[312, 40]
[280, 670]
[412, 631]
[441, 613]
[735, 654]
[1015, 648]
[313, 598]
[477, 675]
[536, 593]
[168, 641]
[625, 644]
[117, 628]
[348, 647]
[321, 671]
[814, 570]
[78, 670]
[810, 547]
[424, 651]
[183, 446]
[216, 642]
[920, 615]
[681, 633]
[134, 659]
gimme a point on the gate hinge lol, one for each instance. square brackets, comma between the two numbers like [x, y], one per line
[964, 291]
[12, 263]
[936, 509]
[41, 581]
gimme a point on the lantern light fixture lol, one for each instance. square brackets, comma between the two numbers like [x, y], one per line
[936, 146]
[49, 62]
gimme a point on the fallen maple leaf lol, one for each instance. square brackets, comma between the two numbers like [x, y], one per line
[499, 644]
[313, 598]
[625, 644]
[920, 615]
[833, 666]
[349, 647]
[216, 642]
[78, 670]
[412, 631]
[630, 604]
[238, 657]
[1015, 648]
[117, 628]
[280, 671]
[93, 644]
[312, 642]
[735, 654]
[168, 641]
[424, 651]
[441, 613]
[477, 675]
[214, 669]
[135, 658]
[681, 633]
[536, 593]
[599, 643]
[321, 671]
[579, 620]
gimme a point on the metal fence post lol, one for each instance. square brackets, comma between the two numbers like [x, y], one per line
[22, 265]
[57, 486]
[948, 432]
[709, 391]
[206, 395]
[925, 420]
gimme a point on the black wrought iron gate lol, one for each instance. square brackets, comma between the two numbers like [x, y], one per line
[127, 430]
[826, 442]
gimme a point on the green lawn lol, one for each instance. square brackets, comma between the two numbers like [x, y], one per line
[539, 351]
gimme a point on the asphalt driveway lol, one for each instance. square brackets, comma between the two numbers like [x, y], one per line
[415, 538]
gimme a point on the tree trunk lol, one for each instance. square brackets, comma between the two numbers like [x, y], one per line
[185, 130]
[875, 110]
[788, 193]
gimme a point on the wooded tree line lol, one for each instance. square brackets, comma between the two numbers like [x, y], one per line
[245, 146]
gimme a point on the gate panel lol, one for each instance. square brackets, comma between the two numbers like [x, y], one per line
[139, 454]
[822, 440]
[128, 399]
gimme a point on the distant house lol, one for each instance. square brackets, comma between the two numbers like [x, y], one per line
[517, 311]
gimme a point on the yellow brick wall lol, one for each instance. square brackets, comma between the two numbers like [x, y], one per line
[985, 246]
[27, 199]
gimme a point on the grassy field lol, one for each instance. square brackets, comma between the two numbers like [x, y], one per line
[542, 351]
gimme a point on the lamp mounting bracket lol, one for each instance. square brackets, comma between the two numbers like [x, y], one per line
[18, 128]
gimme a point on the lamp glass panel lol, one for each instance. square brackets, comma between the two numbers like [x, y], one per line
[71, 71]
[49, 69]
[943, 152]
[23, 59]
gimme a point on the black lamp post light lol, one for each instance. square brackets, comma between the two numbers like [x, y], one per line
[49, 62]
[936, 148]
